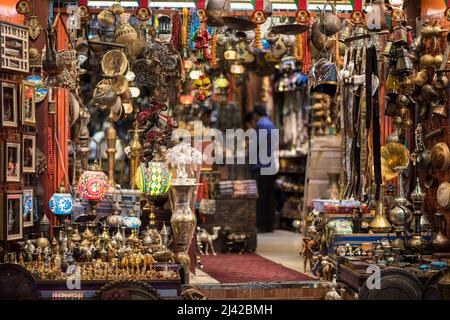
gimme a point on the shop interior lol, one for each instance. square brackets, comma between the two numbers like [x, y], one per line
[217, 149]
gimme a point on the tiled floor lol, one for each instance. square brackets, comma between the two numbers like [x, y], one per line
[280, 246]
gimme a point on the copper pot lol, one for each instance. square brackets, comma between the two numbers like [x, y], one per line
[329, 22]
[427, 61]
[440, 156]
[216, 9]
[440, 110]
[320, 40]
[438, 60]
[441, 243]
[441, 82]
[421, 78]
[428, 92]
[104, 94]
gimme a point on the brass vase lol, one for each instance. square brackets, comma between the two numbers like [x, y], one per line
[380, 223]
[183, 220]
[441, 243]
[400, 216]
[417, 244]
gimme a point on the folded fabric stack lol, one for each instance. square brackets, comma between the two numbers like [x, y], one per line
[226, 188]
[245, 187]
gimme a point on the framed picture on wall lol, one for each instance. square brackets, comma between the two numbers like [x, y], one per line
[12, 159]
[28, 208]
[28, 153]
[14, 218]
[28, 107]
[15, 52]
[8, 95]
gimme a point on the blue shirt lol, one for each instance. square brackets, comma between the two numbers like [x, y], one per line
[263, 130]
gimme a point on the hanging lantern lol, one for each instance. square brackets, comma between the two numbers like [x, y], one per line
[131, 221]
[231, 53]
[222, 82]
[154, 179]
[186, 100]
[237, 69]
[61, 204]
[93, 183]
[262, 10]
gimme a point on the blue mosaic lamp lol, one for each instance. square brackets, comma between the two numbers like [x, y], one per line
[61, 203]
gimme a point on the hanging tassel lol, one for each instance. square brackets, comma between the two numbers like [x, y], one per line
[257, 41]
[50, 153]
[298, 50]
[214, 49]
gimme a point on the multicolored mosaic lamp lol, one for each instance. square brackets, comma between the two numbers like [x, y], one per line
[153, 180]
[61, 204]
[93, 185]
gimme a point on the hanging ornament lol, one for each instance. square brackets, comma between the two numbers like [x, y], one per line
[200, 6]
[214, 49]
[34, 27]
[258, 17]
[202, 88]
[302, 15]
[357, 16]
[23, 7]
[83, 8]
[201, 40]
[143, 13]
[298, 50]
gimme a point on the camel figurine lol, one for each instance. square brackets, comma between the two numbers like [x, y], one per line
[307, 252]
[207, 239]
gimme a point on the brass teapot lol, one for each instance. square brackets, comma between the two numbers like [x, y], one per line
[53, 63]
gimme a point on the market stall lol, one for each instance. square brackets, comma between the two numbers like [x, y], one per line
[139, 140]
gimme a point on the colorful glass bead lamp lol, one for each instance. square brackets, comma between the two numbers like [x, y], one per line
[61, 204]
[153, 180]
[93, 185]
[131, 221]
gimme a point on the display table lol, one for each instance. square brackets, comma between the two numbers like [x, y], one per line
[237, 212]
[58, 290]
[352, 271]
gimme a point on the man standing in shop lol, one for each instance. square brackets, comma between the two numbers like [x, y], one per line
[265, 207]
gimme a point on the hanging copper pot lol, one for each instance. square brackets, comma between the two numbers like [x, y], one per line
[427, 61]
[320, 40]
[215, 10]
[440, 110]
[421, 78]
[329, 22]
[441, 243]
[427, 30]
[428, 92]
[438, 60]
[441, 82]
[440, 156]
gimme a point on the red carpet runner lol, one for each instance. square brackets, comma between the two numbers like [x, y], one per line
[250, 267]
